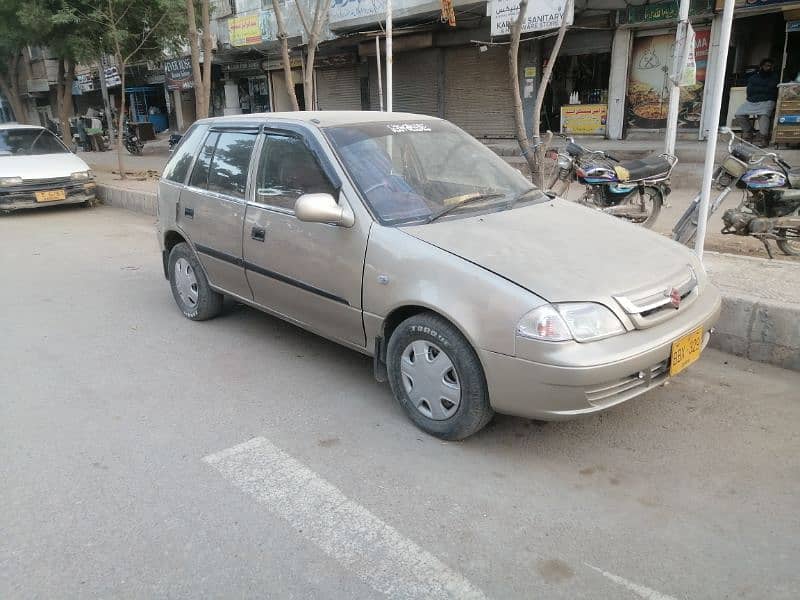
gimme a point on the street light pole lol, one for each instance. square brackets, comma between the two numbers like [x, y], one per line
[713, 130]
[389, 55]
[675, 91]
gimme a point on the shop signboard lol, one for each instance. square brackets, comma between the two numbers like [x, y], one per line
[246, 65]
[541, 15]
[244, 31]
[347, 10]
[649, 85]
[584, 119]
[178, 73]
[662, 11]
[85, 81]
[112, 77]
[753, 4]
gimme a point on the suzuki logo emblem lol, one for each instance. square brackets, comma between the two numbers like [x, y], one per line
[674, 297]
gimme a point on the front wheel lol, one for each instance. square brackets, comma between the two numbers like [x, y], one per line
[437, 378]
[790, 244]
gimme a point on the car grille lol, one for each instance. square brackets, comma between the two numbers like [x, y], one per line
[653, 305]
[627, 387]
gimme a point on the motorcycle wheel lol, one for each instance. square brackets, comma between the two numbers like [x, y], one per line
[791, 245]
[653, 200]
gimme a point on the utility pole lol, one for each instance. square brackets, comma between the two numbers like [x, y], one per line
[711, 143]
[675, 90]
[380, 75]
[389, 55]
[106, 103]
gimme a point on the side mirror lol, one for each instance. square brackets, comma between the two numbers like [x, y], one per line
[323, 208]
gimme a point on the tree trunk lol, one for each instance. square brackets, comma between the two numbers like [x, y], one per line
[66, 76]
[287, 64]
[308, 76]
[539, 147]
[9, 85]
[121, 117]
[207, 54]
[516, 97]
[191, 33]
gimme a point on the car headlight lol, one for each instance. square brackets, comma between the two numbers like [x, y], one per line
[81, 175]
[579, 321]
[10, 180]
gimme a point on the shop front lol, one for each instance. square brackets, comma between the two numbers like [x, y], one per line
[648, 86]
[247, 87]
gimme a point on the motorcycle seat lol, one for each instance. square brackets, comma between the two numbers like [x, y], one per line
[650, 167]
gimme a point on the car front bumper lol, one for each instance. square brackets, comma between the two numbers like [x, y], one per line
[554, 392]
[14, 200]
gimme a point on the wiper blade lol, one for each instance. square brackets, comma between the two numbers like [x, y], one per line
[522, 195]
[448, 209]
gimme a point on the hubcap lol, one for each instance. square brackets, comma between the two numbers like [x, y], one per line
[186, 282]
[430, 380]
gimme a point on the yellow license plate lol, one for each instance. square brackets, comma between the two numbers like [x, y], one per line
[685, 351]
[51, 195]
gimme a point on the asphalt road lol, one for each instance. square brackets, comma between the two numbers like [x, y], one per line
[146, 456]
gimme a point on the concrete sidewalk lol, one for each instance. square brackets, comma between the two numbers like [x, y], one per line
[761, 297]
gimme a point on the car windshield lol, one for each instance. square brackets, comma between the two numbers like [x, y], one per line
[415, 171]
[27, 142]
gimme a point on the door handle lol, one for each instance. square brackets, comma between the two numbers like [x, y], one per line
[188, 213]
[259, 234]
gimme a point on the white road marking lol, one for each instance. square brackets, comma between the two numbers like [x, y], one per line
[639, 590]
[342, 528]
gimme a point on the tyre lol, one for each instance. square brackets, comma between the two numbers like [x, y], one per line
[650, 203]
[791, 245]
[190, 288]
[437, 378]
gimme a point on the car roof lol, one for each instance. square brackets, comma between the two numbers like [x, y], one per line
[323, 118]
[12, 125]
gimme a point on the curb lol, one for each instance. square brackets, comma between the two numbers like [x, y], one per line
[137, 201]
[754, 328]
[759, 330]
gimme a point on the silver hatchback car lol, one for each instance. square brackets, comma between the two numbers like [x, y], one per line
[404, 238]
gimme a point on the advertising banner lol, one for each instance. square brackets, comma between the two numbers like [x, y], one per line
[244, 31]
[178, 73]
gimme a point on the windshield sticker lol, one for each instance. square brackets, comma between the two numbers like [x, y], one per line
[408, 127]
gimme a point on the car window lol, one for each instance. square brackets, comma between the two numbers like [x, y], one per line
[229, 165]
[201, 166]
[287, 169]
[178, 166]
[30, 142]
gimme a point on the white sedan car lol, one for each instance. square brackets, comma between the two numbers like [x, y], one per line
[37, 169]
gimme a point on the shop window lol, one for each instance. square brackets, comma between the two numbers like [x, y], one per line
[199, 177]
[230, 162]
[287, 170]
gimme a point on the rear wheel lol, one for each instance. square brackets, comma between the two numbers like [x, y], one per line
[643, 208]
[790, 244]
[190, 287]
[437, 378]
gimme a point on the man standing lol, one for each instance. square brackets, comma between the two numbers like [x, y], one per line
[762, 92]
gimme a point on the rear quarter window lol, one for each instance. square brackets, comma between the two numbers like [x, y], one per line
[178, 166]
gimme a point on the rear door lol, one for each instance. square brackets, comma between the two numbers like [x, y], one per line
[212, 206]
[308, 272]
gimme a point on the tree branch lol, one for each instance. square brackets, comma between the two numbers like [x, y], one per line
[302, 17]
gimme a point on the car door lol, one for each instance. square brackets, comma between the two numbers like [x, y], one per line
[212, 206]
[308, 272]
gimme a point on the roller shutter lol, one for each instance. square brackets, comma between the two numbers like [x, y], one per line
[416, 82]
[339, 89]
[477, 93]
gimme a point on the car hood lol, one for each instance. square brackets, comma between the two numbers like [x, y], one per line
[41, 166]
[559, 250]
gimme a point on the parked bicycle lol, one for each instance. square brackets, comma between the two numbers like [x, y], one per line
[770, 204]
[629, 189]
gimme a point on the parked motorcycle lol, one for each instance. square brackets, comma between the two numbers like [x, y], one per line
[174, 140]
[770, 205]
[130, 139]
[630, 189]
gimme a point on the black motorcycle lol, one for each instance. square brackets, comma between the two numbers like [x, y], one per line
[174, 140]
[630, 189]
[770, 204]
[131, 141]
